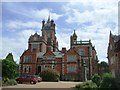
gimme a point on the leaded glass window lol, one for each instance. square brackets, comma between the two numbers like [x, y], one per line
[81, 52]
[71, 58]
[27, 59]
[71, 68]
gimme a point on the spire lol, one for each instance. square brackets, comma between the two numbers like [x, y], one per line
[110, 33]
[74, 30]
[74, 34]
[48, 18]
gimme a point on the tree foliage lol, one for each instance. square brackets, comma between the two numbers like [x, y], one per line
[108, 82]
[104, 68]
[9, 67]
[96, 79]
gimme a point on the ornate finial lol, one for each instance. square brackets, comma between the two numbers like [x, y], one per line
[74, 34]
[74, 30]
[110, 32]
[48, 18]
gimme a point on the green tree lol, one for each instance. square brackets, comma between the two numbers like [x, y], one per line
[9, 67]
[104, 68]
[96, 79]
[108, 82]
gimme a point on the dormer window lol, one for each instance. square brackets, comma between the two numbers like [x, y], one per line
[35, 38]
[34, 46]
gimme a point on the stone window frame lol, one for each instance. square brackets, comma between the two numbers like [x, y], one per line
[34, 46]
[81, 51]
[35, 38]
[71, 68]
[27, 59]
[71, 58]
[27, 68]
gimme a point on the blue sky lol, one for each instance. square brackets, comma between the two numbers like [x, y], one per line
[92, 19]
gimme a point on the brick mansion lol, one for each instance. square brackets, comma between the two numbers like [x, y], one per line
[79, 62]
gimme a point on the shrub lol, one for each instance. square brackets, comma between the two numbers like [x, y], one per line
[50, 75]
[9, 82]
[108, 82]
[12, 82]
[96, 79]
[86, 86]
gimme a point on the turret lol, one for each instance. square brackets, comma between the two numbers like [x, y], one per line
[74, 36]
[73, 39]
[48, 19]
[43, 23]
[48, 33]
[52, 22]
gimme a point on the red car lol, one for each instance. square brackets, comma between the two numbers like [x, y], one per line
[38, 78]
[27, 78]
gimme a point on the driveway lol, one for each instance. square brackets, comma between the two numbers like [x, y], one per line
[60, 84]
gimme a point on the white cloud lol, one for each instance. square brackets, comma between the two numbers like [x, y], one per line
[79, 17]
[16, 45]
[15, 25]
[33, 13]
[76, 16]
[65, 42]
[44, 13]
[35, 0]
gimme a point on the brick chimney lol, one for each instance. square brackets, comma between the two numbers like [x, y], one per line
[64, 50]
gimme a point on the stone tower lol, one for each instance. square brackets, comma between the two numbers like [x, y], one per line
[48, 34]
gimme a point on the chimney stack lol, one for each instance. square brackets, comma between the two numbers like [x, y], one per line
[64, 50]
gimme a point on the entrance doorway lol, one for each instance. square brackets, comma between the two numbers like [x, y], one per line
[38, 69]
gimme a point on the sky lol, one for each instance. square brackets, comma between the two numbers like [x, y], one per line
[92, 20]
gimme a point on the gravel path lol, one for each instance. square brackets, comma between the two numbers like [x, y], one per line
[60, 84]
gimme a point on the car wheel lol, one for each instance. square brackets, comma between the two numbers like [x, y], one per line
[32, 82]
[18, 82]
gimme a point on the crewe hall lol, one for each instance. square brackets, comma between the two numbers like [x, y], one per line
[79, 62]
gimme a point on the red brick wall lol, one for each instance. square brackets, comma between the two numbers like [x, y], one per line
[94, 63]
[33, 64]
[59, 65]
[78, 68]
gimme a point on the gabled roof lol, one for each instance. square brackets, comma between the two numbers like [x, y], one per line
[40, 54]
[37, 36]
[58, 54]
[26, 52]
[49, 53]
[72, 49]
